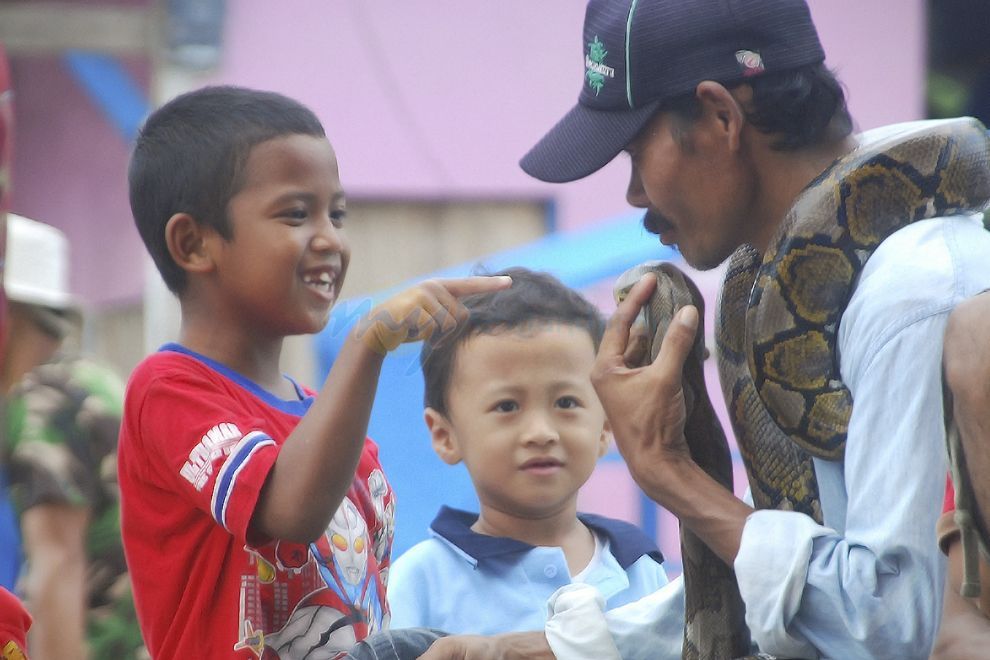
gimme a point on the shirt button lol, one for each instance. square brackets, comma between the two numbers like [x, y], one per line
[550, 571]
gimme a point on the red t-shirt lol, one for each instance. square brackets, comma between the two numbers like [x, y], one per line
[196, 444]
[949, 503]
[14, 624]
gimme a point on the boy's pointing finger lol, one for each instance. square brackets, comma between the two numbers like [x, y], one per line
[465, 286]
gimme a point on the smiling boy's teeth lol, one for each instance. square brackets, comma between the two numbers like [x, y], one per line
[323, 278]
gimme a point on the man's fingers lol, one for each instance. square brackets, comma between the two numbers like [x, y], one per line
[436, 652]
[616, 337]
[465, 286]
[448, 648]
[677, 343]
[636, 354]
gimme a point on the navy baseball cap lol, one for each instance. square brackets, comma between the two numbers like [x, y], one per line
[639, 53]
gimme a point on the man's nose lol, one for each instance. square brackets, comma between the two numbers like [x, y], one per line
[635, 193]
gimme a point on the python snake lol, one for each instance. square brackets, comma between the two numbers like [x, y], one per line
[776, 327]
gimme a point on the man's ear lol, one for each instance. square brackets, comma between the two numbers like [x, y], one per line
[443, 437]
[605, 441]
[186, 240]
[722, 110]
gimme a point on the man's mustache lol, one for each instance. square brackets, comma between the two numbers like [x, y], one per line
[656, 223]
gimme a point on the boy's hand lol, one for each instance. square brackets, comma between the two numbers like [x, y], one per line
[426, 309]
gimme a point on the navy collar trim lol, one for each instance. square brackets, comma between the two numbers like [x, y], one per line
[297, 406]
[627, 542]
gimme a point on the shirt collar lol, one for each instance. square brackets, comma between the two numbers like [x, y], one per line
[627, 542]
[297, 407]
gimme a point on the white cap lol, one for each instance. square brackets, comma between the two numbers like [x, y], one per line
[37, 270]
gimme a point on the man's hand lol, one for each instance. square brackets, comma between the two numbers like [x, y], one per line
[510, 646]
[422, 311]
[965, 630]
[645, 404]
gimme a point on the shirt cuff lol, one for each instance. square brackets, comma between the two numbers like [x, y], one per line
[576, 627]
[651, 628]
[772, 569]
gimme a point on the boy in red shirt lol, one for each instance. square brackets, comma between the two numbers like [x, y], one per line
[256, 518]
[14, 624]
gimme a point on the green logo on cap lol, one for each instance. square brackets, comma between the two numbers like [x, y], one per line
[594, 64]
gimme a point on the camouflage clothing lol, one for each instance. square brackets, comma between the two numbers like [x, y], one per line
[61, 448]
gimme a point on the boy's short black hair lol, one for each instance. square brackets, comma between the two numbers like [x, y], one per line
[190, 157]
[535, 299]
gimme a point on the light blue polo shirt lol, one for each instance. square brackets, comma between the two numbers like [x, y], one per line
[463, 582]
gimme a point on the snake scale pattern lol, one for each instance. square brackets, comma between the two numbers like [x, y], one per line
[776, 329]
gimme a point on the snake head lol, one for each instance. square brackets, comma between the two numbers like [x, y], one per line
[674, 290]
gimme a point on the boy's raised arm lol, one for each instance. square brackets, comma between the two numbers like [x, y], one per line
[316, 465]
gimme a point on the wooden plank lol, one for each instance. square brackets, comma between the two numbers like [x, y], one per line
[51, 27]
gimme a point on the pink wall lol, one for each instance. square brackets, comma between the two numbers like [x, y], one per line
[878, 49]
[70, 170]
[432, 98]
[440, 97]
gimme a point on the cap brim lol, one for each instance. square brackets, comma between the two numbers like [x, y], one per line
[38, 295]
[584, 141]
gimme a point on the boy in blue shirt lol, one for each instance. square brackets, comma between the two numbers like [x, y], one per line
[509, 394]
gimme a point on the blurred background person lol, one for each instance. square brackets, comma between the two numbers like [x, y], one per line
[59, 452]
[965, 628]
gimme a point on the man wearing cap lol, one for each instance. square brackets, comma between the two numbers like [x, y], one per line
[728, 114]
[59, 452]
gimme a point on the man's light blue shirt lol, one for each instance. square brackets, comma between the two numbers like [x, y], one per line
[869, 582]
[463, 582]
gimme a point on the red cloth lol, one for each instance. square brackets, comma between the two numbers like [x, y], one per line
[196, 445]
[14, 624]
[949, 504]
